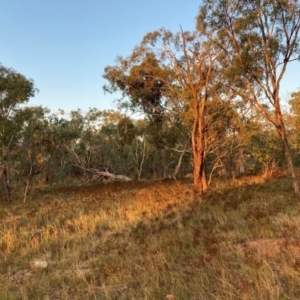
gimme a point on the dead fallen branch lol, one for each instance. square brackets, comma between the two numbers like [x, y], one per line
[104, 175]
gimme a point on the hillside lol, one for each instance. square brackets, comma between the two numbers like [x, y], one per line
[153, 240]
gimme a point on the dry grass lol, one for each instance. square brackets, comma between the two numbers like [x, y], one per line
[153, 240]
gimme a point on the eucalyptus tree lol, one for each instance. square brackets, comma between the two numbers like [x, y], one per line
[60, 134]
[126, 130]
[143, 81]
[197, 80]
[97, 139]
[259, 38]
[32, 144]
[15, 90]
[224, 139]
[141, 148]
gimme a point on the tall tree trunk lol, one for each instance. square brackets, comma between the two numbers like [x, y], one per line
[177, 169]
[241, 161]
[160, 165]
[200, 184]
[288, 157]
[5, 180]
[29, 180]
[139, 166]
[198, 146]
[47, 175]
[203, 178]
[158, 142]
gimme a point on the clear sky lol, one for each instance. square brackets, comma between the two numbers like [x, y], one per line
[64, 45]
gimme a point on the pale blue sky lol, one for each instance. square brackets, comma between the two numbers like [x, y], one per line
[64, 45]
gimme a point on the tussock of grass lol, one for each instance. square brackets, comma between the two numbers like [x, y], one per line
[152, 240]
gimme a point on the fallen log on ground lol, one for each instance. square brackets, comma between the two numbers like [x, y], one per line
[104, 175]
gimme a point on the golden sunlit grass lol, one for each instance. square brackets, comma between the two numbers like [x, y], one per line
[153, 240]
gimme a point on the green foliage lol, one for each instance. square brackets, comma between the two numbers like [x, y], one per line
[126, 130]
[197, 92]
[294, 120]
[15, 90]
[259, 40]
[295, 106]
[259, 37]
[141, 78]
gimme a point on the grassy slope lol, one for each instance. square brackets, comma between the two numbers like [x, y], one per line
[153, 240]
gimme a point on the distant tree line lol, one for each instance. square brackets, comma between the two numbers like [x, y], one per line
[208, 102]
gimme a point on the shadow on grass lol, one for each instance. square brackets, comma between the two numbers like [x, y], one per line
[147, 240]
